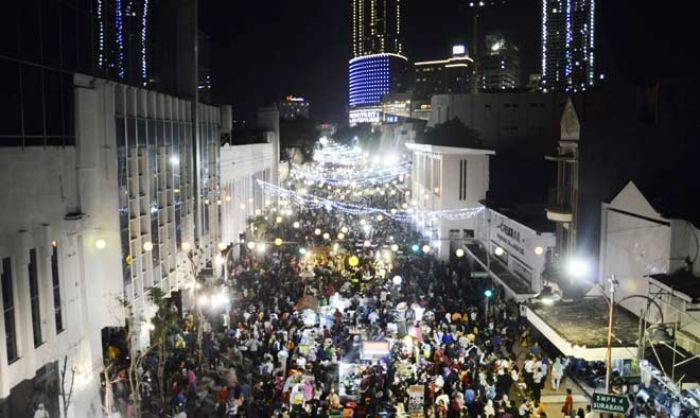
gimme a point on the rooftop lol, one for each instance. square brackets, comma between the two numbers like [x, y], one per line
[444, 149]
[584, 322]
[681, 281]
[532, 216]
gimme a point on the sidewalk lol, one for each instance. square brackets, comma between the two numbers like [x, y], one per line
[554, 400]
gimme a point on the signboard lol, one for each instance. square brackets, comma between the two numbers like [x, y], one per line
[415, 400]
[366, 115]
[349, 380]
[478, 274]
[508, 234]
[610, 403]
[372, 350]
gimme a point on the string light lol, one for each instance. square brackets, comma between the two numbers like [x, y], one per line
[404, 215]
[120, 38]
[144, 40]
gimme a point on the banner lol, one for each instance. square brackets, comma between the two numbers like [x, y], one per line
[415, 401]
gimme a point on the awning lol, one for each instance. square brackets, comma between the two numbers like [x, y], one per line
[580, 328]
[515, 287]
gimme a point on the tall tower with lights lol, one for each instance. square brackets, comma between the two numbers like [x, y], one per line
[123, 32]
[568, 45]
[378, 66]
[376, 27]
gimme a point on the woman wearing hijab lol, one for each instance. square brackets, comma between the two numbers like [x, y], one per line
[557, 373]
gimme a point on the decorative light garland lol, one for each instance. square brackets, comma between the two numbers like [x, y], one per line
[354, 177]
[144, 41]
[401, 215]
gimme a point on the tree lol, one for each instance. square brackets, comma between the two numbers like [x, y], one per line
[363, 132]
[453, 133]
[66, 394]
[299, 133]
[162, 323]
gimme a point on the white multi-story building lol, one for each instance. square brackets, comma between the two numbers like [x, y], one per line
[83, 227]
[656, 263]
[241, 168]
[501, 118]
[448, 178]
[514, 248]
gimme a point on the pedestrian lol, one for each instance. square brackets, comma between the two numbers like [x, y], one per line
[568, 408]
[557, 373]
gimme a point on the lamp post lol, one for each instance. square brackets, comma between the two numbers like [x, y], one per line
[608, 358]
[226, 251]
[487, 295]
[190, 253]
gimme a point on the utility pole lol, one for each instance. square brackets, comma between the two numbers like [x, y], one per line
[608, 358]
[196, 146]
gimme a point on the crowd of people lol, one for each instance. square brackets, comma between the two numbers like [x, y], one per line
[299, 313]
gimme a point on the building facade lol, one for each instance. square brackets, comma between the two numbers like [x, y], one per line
[293, 107]
[522, 247]
[371, 77]
[446, 178]
[500, 64]
[378, 66]
[447, 76]
[241, 167]
[93, 224]
[500, 117]
[652, 257]
[377, 27]
[568, 45]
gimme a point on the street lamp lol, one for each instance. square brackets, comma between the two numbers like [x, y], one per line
[576, 268]
[488, 293]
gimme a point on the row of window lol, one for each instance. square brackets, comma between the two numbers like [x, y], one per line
[8, 301]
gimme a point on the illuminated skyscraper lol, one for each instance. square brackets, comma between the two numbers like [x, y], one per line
[568, 45]
[500, 63]
[123, 32]
[376, 27]
[378, 66]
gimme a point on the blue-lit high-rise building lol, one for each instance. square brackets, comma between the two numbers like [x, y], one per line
[378, 66]
[568, 45]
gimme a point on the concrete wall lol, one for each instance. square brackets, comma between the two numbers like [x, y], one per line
[500, 117]
[435, 184]
[519, 243]
[40, 186]
[241, 166]
[635, 242]
[685, 246]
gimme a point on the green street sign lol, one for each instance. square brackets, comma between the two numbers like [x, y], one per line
[478, 275]
[603, 402]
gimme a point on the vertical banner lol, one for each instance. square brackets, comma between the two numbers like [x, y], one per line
[415, 401]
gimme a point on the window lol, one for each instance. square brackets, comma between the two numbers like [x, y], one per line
[8, 308]
[57, 312]
[34, 297]
[463, 180]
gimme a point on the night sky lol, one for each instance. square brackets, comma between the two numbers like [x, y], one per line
[263, 50]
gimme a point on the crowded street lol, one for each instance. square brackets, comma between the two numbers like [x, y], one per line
[337, 306]
[349, 209]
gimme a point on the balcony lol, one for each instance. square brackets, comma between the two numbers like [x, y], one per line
[559, 208]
